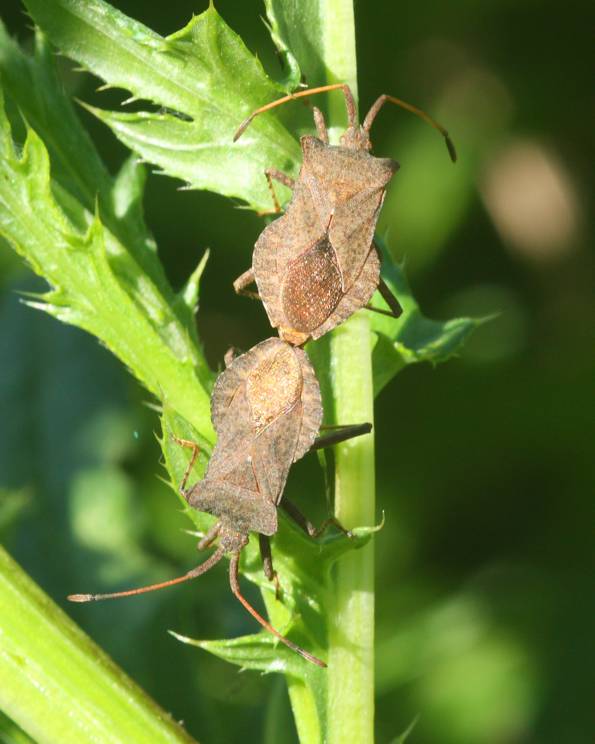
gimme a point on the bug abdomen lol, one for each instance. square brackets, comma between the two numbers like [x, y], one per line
[311, 287]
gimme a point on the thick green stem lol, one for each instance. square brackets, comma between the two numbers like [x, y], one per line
[57, 685]
[351, 622]
[338, 33]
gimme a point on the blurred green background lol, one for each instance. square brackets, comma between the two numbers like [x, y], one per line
[485, 465]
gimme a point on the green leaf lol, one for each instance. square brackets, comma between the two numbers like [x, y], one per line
[205, 82]
[177, 458]
[76, 166]
[96, 283]
[412, 337]
[260, 651]
[316, 39]
[303, 567]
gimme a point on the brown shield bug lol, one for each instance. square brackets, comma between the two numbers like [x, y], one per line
[266, 410]
[317, 264]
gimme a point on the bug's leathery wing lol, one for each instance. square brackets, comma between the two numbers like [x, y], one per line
[267, 411]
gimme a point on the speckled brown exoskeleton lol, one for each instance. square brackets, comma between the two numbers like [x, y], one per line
[267, 413]
[317, 264]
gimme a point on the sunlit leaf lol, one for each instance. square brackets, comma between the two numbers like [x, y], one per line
[260, 651]
[203, 81]
[96, 284]
[76, 166]
[412, 337]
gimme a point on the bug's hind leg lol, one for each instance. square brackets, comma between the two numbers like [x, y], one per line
[267, 563]
[341, 434]
[307, 526]
[395, 306]
[235, 588]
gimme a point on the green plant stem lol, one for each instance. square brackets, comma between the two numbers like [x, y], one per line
[351, 621]
[338, 33]
[57, 685]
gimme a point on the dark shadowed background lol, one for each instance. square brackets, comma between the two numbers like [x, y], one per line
[485, 465]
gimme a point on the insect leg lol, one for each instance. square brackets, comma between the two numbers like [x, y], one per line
[243, 281]
[340, 434]
[281, 177]
[389, 298]
[230, 355]
[209, 537]
[235, 588]
[303, 522]
[320, 125]
[379, 103]
[395, 307]
[267, 563]
[273, 173]
[195, 450]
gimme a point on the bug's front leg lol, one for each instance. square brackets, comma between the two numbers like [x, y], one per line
[195, 450]
[267, 563]
[277, 175]
[210, 537]
[242, 282]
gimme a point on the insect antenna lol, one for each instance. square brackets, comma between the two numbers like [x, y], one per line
[349, 102]
[379, 103]
[201, 569]
[235, 588]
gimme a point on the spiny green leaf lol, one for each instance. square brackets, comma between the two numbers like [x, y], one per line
[412, 337]
[261, 651]
[315, 39]
[277, 27]
[186, 301]
[77, 169]
[205, 81]
[296, 26]
[96, 283]
[31, 82]
[177, 458]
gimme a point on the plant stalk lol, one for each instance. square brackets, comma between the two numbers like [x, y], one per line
[350, 713]
[57, 685]
[351, 622]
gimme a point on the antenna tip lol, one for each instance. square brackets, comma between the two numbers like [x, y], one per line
[450, 147]
[312, 658]
[80, 597]
[242, 128]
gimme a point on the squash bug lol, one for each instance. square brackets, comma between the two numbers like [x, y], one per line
[267, 412]
[317, 264]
